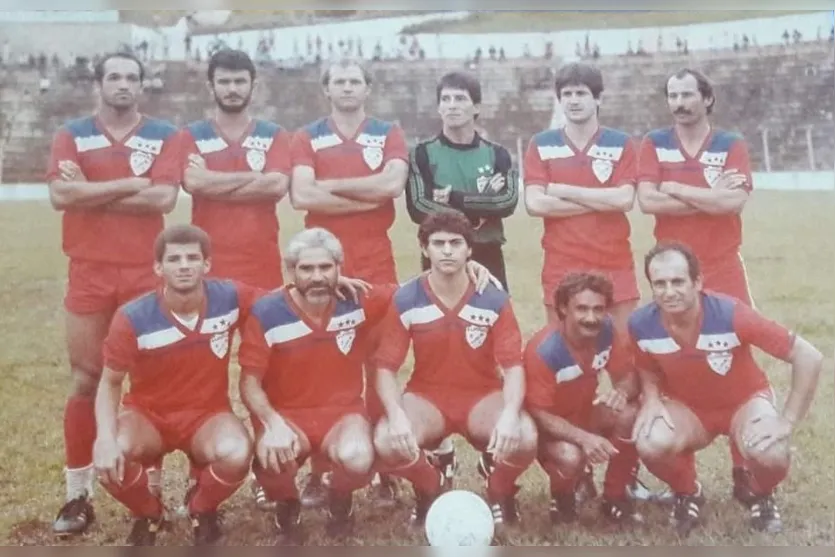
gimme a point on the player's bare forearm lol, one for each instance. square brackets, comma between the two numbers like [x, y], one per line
[619, 199]
[83, 194]
[807, 362]
[160, 198]
[255, 399]
[268, 187]
[513, 389]
[629, 384]
[376, 188]
[310, 198]
[201, 181]
[558, 428]
[712, 201]
[108, 398]
[388, 389]
[651, 201]
[540, 204]
[649, 384]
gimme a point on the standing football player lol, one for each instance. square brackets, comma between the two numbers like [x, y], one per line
[173, 344]
[693, 351]
[347, 170]
[460, 338]
[696, 179]
[114, 175]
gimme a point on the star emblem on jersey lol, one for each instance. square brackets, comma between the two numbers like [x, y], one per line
[602, 169]
[601, 359]
[476, 335]
[712, 174]
[219, 344]
[140, 162]
[256, 160]
[719, 357]
[345, 340]
[373, 157]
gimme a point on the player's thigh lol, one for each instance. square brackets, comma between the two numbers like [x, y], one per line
[134, 281]
[605, 421]
[222, 437]
[428, 424]
[295, 423]
[563, 455]
[551, 315]
[484, 415]
[760, 407]
[349, 442]
[85, 334]
[687, 433]
[491, 256]
[138, 437]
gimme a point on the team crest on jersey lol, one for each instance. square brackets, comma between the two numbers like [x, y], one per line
[140, 162]
[720, 361]
[601, 359]
[256, 159]
[219, 344]
[712, 174]
[476, 335]
[602, 169]
[373, 157]
[345, 340]
[484, 176]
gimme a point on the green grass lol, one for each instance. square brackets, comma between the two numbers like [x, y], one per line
[789, 259]
[549, 21]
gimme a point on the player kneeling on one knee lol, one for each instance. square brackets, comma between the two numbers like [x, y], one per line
[302, 355]
[460, 337]
[700, 380]
[174, 346]
[576, 426]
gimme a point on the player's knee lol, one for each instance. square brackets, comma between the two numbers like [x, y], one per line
[356, 456]
[568, 458]
[529, 436]
[235, 450]
[624, 421]
[382, 441]
[85, 381]
[776, 457]
[660, 443]
[131, 450]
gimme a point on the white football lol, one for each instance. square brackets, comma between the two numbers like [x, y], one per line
[459, 518]
[211, 18]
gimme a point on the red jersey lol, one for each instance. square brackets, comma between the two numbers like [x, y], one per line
[171, 366]
[304, 364]
[149, 150]
[242, 233]
[563, 382]
[458, 348]
[599, 239]
[662, 159]
[333, 156]
[719, 371]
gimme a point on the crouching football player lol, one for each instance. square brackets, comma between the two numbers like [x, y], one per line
[576, 426]
[468, 377]
[174, 346]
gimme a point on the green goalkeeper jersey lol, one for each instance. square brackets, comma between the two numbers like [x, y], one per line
[467, 169]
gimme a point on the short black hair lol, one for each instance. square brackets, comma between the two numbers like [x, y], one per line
[98, 70]
[694, 268]
[180, 234]
[579, 73]
[452, 221]
[460, 80]
[232, 60]
[703, 83]
[574, 283]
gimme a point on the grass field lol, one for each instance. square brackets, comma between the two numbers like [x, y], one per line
[789, 257]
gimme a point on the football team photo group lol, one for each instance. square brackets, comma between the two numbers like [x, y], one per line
[305, 371]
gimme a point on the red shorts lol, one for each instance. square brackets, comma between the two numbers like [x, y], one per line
[718, 421]
[265, 274]
[624, 281]
[315, 423]
[370, 259]
[455, 405]
[96, 287]
[177, 429]
[727, 276]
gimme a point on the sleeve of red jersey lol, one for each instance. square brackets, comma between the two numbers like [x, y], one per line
[254, 353]
[739, 159]
[395, 145]
[621, 359]
[649, 169]
[394, 341]
[247, 295]
[639, 358]
[508, 338]
[755, 329]
[626, 170]
[121, 350]
[301, 151]
[535, 171]
[540, 384]
[279, 158]
[63, 149]
[377, 302]
[168, 167]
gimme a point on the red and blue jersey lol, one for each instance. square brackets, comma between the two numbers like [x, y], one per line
[662, 159]
[149, 150]
[717, 370]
